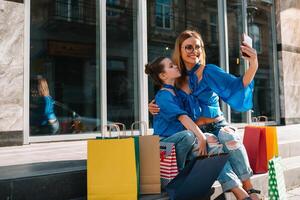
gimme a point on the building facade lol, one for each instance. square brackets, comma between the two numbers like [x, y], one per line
[92, 53]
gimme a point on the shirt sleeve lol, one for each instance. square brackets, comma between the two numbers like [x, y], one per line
[230, 88]
[170, 109]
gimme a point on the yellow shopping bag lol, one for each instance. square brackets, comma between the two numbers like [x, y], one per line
[111, 169]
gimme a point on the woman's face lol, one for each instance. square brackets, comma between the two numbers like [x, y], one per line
[171, 71]
[191, 51]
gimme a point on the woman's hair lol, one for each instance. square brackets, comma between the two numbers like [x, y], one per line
[154, 68]
[39, 87]
[176, 57]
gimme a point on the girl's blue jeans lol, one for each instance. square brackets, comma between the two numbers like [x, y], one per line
[184, 142]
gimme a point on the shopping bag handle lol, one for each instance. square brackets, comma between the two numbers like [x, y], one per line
[143, 123]
[123, 127]
[110, 126]
[262, 117]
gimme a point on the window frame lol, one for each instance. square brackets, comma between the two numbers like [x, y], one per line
[163, 14]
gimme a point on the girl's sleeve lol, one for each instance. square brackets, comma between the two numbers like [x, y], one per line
[170, 110]
[230, 88]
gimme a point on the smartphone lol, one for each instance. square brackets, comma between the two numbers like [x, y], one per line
[247, 40]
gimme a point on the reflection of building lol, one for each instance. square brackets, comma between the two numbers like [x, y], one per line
[63, 41]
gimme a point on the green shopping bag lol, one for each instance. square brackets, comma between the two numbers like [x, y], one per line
[277, 190]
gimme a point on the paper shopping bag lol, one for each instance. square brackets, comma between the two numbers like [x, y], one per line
[111, 169]
[149, 161]
[256, 147]
[168, 163]
[116, 126]
[196, 179]
[277, 189]
[272, 143]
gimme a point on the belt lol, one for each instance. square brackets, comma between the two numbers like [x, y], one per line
[52, 121]
[204, 121]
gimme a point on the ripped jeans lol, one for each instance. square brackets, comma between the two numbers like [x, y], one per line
[238, 167]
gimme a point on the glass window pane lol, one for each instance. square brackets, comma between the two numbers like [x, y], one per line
[236, 62]
[254, 32]
[122, 69]
[259, 16]
[183, 14]
[167, 17]
[64, 72]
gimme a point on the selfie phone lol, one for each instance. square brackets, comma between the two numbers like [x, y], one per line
[247, 40]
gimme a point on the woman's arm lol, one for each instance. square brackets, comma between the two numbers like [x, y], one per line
[253, 63]
[153, 108]
[190, 125]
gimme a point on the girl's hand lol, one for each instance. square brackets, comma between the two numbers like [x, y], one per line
[202, 145]
[153, 108]
[251, 52]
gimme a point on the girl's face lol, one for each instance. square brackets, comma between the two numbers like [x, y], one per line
[171, 71]
[191, 51]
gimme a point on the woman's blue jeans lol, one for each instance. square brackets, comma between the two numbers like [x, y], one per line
[238, 167]
[184, 141]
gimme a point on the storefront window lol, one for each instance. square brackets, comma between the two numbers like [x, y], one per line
[186, 15]
[259, 25]
[64, 74]
[236, 62]
[122, 69]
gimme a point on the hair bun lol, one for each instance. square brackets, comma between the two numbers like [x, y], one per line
[148, 69]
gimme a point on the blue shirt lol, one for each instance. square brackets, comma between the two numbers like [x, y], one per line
[166, 122]
[215, 83]
[42, 111]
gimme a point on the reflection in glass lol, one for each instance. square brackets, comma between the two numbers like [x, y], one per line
[259, 25]
[236, 62]
[122, 69]
[63, 46]
[183, 15]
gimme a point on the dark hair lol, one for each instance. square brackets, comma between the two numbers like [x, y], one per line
[154, 68]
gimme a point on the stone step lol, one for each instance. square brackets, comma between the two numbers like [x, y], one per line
[288, 141]
[291, 175]
[47, 181]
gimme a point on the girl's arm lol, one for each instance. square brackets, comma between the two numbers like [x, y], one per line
[253, 63]
[190, 125]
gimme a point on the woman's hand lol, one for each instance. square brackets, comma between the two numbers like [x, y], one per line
[253, 63]
[153, 108]
[251, 52]
[202, 145]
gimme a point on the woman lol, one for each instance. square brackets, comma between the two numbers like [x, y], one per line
[202, 85]
[42, 114]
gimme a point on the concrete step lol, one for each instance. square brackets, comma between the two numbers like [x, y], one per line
[291, 175]
[47, 181]
[293, 194]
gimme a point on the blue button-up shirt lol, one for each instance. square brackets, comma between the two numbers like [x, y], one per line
[166, 122]
[215, 83]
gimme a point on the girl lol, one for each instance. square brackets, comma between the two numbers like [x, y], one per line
[202, 85]
[42, 109]
[171, 123]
